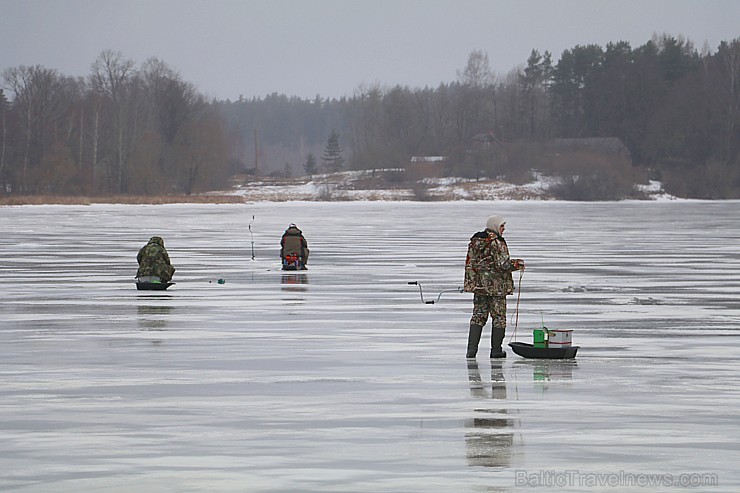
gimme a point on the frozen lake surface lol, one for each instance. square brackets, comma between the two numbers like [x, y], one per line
[339, 379]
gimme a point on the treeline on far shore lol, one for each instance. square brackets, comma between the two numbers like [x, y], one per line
[119, 199]
[664, 110]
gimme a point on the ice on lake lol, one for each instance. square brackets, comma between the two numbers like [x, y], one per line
[340, 379]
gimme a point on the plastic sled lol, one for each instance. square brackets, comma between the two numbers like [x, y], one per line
[153, 286]
[529, 351]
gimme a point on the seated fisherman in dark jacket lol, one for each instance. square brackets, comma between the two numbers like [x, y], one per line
[294, 249]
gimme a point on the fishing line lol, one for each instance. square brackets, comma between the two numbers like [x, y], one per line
[518, 297]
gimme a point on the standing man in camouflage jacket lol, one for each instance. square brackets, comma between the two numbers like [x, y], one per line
[488, 269]
[154, 261]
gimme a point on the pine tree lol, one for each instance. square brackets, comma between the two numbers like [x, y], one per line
[332, 157]
[310, 165]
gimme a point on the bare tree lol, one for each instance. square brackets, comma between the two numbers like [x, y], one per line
[200, 149]
[37, 98]
[475, 100]
[365, 126]
[3, 111]
[477, 72]
[729, 54]
[111, 75]
[172, 103]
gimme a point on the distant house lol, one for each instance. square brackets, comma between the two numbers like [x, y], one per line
[428, 159]
[485, 140]
[606, 146]
[427, 166]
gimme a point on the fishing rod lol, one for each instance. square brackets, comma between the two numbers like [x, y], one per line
[252, 235]
[431, 302]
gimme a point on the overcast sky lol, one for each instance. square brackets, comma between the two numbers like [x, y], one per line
[228, 48]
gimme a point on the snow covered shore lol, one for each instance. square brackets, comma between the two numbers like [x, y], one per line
[365, 185]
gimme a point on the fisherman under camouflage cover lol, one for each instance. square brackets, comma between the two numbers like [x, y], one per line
[154, 260]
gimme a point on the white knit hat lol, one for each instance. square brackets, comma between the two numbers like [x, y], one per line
[495, 222]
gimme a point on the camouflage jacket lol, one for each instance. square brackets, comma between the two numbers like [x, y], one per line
[488, 266]
[154, 260]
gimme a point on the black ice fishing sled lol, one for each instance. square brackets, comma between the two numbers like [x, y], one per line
[152, 286]
[529, 351]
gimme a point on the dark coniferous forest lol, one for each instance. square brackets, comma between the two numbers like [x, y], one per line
[600, 118]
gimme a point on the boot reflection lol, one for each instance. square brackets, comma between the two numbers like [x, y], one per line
[488, 441]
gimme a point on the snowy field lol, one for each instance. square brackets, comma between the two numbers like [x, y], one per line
[340, 379]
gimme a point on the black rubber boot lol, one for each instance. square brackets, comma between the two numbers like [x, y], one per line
[473, 340]
[497, 337]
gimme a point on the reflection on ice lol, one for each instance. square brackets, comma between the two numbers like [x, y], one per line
[489, 440]
[294, 282]
[153, 317]
[344, 381]
[546, 370]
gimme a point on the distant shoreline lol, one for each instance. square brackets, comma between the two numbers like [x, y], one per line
[346, 186]
[120, 199]
[340, 187]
